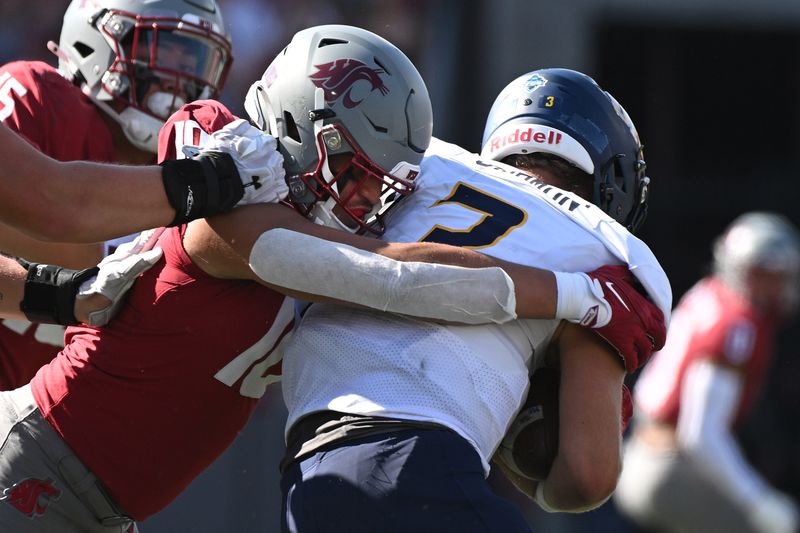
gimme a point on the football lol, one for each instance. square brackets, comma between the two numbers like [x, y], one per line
[531, 442]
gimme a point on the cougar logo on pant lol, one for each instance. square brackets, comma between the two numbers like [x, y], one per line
[31, 496]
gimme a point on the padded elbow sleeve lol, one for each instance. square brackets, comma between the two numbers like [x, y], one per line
[456, 294]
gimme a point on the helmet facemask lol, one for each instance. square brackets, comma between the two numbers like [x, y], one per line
[140, 66]
[329, 187]
[610, 192]
[184, 58]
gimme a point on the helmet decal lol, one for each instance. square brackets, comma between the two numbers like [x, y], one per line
[534, 82]
[338, 77]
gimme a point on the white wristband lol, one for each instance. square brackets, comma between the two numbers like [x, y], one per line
[315, 266]
[579, 299]
[571, 289]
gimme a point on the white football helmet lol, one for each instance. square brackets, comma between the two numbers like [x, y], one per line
[766, 241]
[152, 57]
[339, 89]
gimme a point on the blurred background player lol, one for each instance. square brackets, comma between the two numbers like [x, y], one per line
[393, 421]
[684, 469]
[123, 67]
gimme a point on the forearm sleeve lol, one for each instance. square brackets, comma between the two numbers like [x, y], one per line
[315, 266]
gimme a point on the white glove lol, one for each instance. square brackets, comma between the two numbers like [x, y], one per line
[117, 273]
[257, 159]
[775, 512]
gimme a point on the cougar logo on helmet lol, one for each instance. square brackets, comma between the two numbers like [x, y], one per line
[338, 77]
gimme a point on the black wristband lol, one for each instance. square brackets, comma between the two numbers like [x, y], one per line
[50, 291]
[202, 186]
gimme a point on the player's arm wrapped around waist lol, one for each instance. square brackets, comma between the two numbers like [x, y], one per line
[315, 266]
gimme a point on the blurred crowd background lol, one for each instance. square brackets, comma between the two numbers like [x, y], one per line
[714, 92]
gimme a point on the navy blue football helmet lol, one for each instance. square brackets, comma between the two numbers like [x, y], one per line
[565, 113]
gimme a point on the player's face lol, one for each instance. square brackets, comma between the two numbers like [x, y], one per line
[359, 192]
[770, 291]
[169, 82]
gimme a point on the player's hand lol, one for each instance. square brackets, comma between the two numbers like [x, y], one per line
[257, 159]
[606, 301]
[101, 297]
[775, 512]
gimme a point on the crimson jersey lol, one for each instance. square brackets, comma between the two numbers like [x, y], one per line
[58, 119]
[149, 401]
[714, 323]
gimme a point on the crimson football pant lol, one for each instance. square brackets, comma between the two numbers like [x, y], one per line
[44, 487]
[415, 480]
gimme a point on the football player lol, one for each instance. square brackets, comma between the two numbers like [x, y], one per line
[126, 416]
[392, 421]
[684, 469]
[123, 67]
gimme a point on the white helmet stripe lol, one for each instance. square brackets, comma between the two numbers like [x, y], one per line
[519, 138]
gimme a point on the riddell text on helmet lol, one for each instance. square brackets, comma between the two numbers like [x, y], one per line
[525, 135]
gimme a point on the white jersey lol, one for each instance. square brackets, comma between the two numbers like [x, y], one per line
[471, 379]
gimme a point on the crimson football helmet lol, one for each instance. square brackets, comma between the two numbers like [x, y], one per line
[151, 57]
[565, 113]
[343, 90]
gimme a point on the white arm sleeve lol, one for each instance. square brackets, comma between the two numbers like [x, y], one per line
[304, 263]
[709, 398]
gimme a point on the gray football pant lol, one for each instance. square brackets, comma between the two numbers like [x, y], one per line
[44, 486]
[666, 492]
